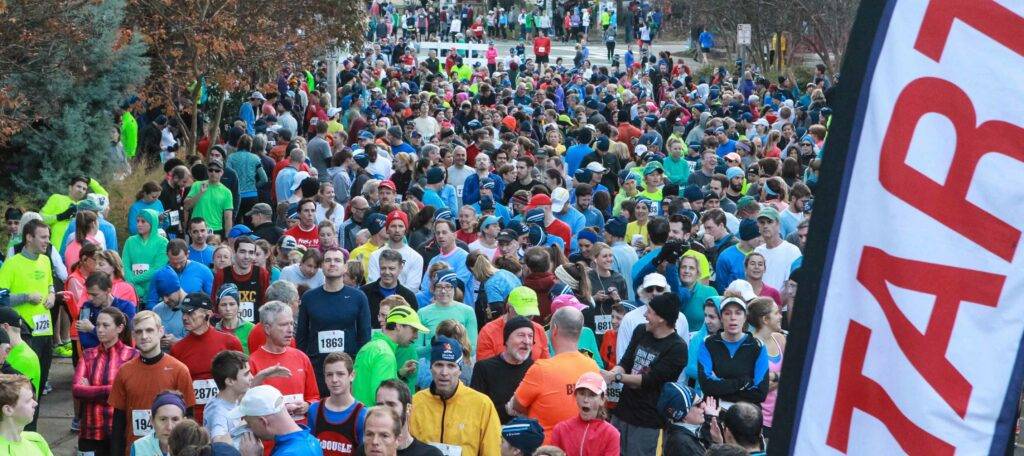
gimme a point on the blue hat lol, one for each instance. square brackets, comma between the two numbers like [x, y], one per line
[486, 203]
[651, 205]
[588, 235]
[693, 193]
[240, 230]
[675, 400]
[435, 175]
[535, 216]
[583, 175]
[361, 159]
[293, 212]
[616, 226]
[375, 222]
[228, 290]
[474, 124]
[444, 214]
[445, 349]
[691, 215]
[526, 434]
[537, 236]
[488, 221]
[518, 227]
[603, 143]
[733, 172]
[487, 183]
[749, 229]
[166, 281]
[447, 276]
[651, 119]
[366, 134]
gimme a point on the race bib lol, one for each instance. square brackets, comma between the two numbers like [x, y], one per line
[458, 191]
[247, 311]
[139, 268]
[602, 324]
[142, 422]
[331, 341]
[295, 399]
[173, 218]
[40, 324]
[448, 450]
[614, 392]
[541, 49]
[205, 390]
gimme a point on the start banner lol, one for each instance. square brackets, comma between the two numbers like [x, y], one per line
[907, 332]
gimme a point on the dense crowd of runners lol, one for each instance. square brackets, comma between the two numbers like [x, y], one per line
[514, 258]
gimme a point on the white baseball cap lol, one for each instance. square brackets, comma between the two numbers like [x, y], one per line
[596, 167]
[654, 279]
[261, 400]
[559, 198]
[298, 178]
[742, 288]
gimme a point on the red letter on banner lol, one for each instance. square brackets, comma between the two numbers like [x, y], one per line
[951, 286]
[986, 16]
[855, 391]
[947, 202]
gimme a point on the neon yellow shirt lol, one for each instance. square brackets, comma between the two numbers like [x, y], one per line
[22, 275]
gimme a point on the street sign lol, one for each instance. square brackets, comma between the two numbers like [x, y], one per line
[743, 34]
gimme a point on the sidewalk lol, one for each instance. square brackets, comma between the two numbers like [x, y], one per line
[57, 409]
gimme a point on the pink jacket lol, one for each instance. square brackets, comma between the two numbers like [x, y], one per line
[492, 56]
[585, 438]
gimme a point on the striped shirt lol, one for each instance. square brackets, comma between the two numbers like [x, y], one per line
[93, 379]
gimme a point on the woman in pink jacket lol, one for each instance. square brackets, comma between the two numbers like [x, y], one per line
[492, 58]
[589, 433]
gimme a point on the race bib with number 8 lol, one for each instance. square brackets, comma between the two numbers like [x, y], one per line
[247, 311]
[602, 324]
[614, 391]
[205, 390]
[40, 324]
[331, 341]
[142, 422]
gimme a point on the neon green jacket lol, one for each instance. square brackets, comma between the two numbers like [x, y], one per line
[375, 362]
[129, 134]
[57, 204]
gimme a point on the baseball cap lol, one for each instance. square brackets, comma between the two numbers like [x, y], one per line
[404, 315]
[734, 300]
[257, 95]
[288, 243]
[445, 349]
[743, 288]
[375, 222]
[297, 179]
[215, 163]
[769, 213]
[566, 300]
[732, 156]
[361, 159]
[596, 167]
[260, 208]
[653, 167]
[535, 216]
[196, 300]
[507, 235]
[488, 221]
[260, 400]
[525, 434]
[11, 317]
[675, 400]
[593, 382]
[583, 175]
[654, 279]
[388, 184]
[166, 281]
[487, 183]
[559, 197]
[539, 199]
[524, 301]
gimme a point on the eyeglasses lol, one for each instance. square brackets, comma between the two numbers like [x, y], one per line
[655, 289]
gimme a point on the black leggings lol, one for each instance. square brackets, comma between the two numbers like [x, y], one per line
[97, 447]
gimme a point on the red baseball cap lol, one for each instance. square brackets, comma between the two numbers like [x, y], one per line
[539, 199]
[388, 184]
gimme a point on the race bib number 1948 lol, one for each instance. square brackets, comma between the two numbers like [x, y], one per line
[142, 422]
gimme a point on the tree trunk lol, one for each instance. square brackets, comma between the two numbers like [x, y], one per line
[215, 134]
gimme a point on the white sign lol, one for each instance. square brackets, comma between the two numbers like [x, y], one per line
[915, 344]
[743, 34]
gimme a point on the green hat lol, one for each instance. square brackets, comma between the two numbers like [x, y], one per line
[652, 167]
[404, 315]
[524, 301]
[769, 213]
[745, 201]
[564, 119]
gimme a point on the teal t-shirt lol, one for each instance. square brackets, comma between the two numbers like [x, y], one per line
[432, 315]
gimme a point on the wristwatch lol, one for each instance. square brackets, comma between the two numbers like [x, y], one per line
[618, 377]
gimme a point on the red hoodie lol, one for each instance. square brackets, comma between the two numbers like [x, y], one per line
[585, 438]
[541, 282]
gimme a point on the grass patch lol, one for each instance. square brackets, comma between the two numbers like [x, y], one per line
[122, 195]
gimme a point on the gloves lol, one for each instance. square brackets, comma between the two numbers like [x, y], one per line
[68, 213]
[671, 251]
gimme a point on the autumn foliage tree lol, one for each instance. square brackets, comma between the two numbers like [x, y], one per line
[65, 65]
[232, 46]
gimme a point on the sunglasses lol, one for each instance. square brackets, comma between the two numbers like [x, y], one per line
[655, 289]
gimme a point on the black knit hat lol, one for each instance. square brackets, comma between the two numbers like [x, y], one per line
[666, 306]
[514, 324]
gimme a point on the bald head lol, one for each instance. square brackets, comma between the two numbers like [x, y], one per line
[569, 322]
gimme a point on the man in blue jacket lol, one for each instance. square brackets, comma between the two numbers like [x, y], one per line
[192, 275]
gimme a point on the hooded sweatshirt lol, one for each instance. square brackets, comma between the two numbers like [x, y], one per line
[142, 258]
[697, 341]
